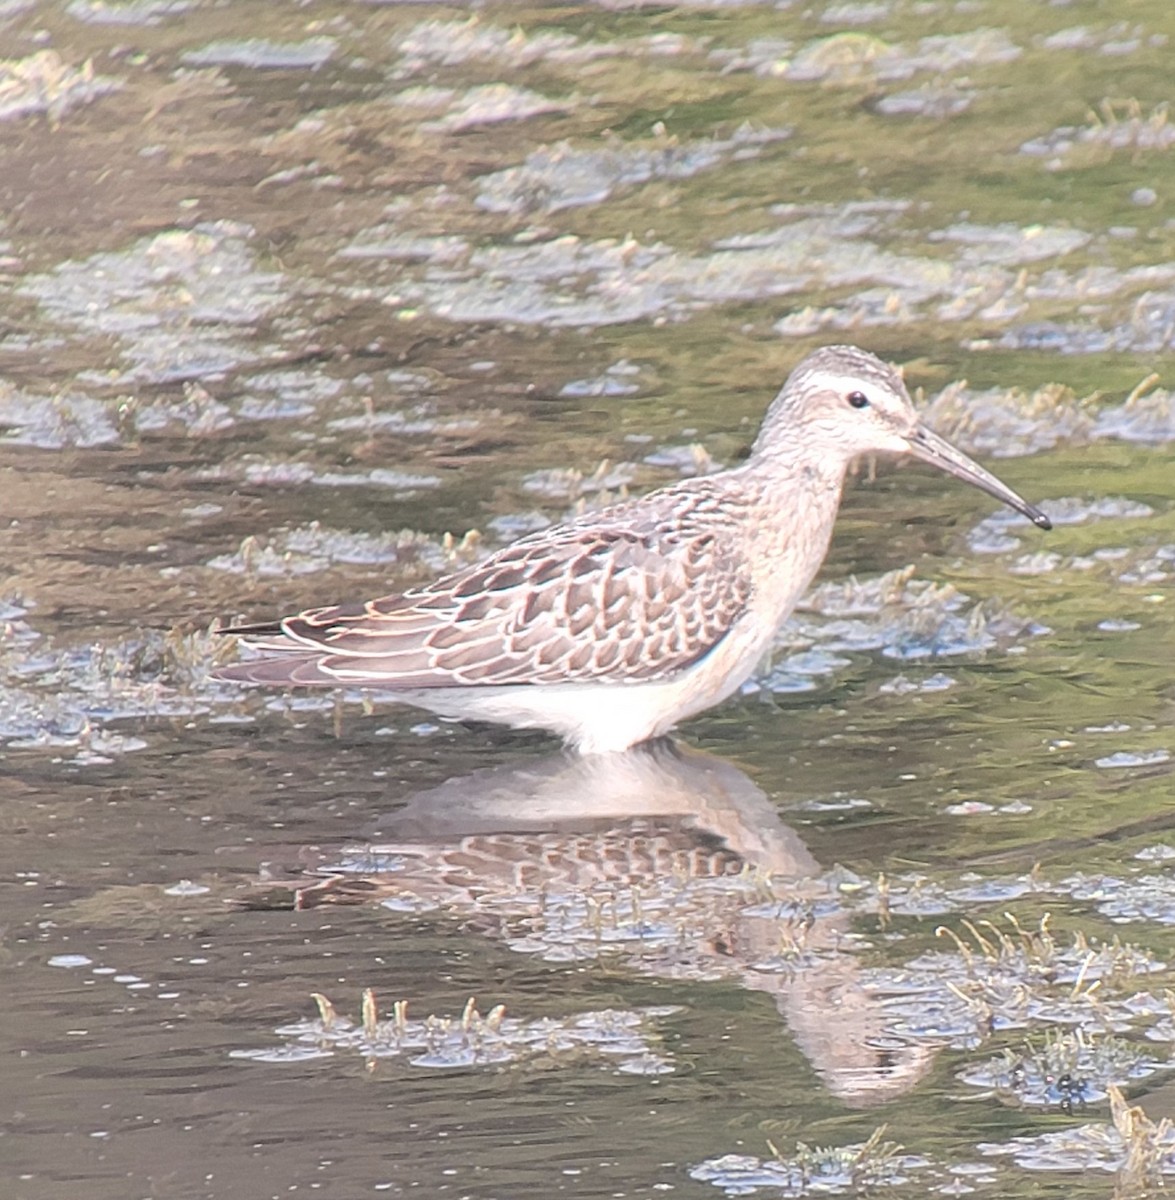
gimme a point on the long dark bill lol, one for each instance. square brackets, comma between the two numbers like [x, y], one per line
[937, 451]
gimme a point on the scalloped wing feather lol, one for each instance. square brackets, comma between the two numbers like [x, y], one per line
[577, 604]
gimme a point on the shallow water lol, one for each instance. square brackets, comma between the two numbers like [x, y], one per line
[307, 303]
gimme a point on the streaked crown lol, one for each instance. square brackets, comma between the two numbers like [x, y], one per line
[840, 401]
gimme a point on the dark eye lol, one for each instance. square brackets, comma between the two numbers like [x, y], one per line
[858, 399]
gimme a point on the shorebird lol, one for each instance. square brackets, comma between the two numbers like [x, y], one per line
[611, 628]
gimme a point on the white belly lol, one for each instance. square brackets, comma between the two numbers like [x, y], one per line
[604, 718]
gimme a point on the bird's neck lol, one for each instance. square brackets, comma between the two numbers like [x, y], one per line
[797, 501]
[805, 475]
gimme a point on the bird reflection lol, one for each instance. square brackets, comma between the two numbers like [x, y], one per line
[665, 858]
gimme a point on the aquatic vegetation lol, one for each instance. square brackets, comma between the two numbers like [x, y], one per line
[562, 176]
[616, 380]
[1140, 1151]
[312, 548]
[1117, 125]
[268, 472]
[933, 101]
[1147, 416]
[572, 281]
[899, 685]
[1133, 758]
[454, 43]
[1149, 898]
[894, 613]
[1009, 244]
[450, 111]
[569, 484]
[262, 54]
[689, 460]
[618, 1039]
[56, 421]
[75, 696]
[182, 304]
[1006, 423]
[851, 58]
[197, 414]
[127, 12]
[814, 1170]
[1069, 1069]
[44, 84]
[1001, 979]
[996, 535]
[1147, 327]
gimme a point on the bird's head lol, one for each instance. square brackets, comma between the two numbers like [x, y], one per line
[842, 402]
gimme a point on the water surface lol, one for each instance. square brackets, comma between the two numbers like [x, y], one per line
[304, 304]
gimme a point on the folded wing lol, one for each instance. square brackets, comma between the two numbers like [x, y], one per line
[573, 605]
